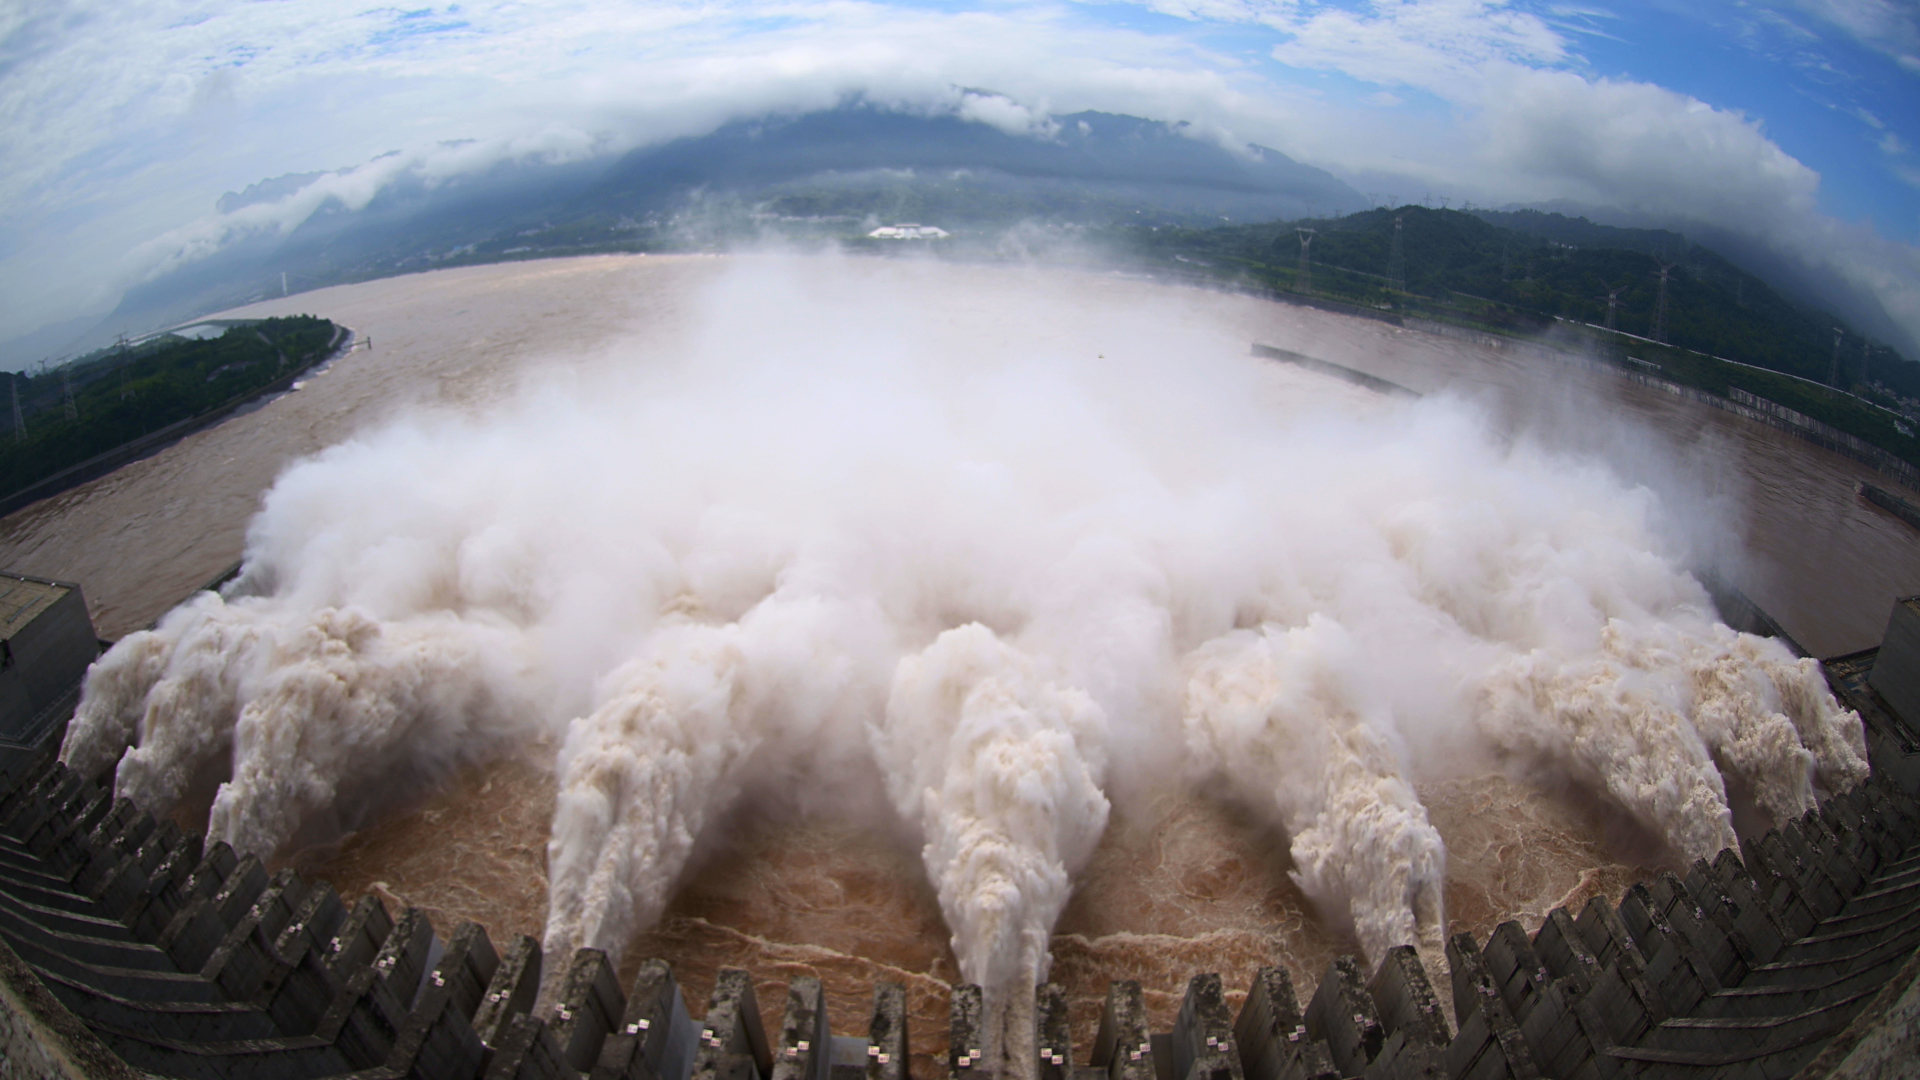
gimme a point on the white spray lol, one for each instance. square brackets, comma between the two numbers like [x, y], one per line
[988, 545]
[1002, 769]
[1281, 714]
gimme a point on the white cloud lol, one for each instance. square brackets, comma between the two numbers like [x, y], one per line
[1000, 111]
[1638, 146]
[182, 99]
[1885, 26]
[1443, 46]
[120, 123]
[1529, 127]
[350, 189]
[1642, 148]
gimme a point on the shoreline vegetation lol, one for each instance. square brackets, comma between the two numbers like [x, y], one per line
[74, 423]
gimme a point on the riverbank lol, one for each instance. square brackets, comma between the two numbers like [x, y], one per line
[155, 441]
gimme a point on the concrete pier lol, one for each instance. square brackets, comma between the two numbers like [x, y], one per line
[966, 1033]
[733, 1042]
[887, 1034]
[804, 1048]
[1202, 1038]
[1271, 1033]
[1123, 1049]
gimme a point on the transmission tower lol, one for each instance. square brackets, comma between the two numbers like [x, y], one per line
[1833, 373]
[66, 388]
[1660, 306]
[19, 422]
[1396, 262]
[124, 391]
[1305, 278]
[1613, 304]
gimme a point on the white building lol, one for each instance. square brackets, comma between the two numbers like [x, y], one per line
[908, 232]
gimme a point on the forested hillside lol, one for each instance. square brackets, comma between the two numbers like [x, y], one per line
[1455, 263]
[113, 397]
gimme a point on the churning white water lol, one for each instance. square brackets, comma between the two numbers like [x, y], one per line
[856, 544]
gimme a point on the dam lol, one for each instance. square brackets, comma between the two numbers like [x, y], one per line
[1175, 885]
[1791, 959]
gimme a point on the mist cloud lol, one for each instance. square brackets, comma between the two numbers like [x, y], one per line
[875, 540]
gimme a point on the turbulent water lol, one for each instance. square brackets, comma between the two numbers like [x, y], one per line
[890, 620]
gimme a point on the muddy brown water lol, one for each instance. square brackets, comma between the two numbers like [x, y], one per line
[1181, 884]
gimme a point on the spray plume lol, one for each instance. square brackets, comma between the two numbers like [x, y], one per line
[873, 532]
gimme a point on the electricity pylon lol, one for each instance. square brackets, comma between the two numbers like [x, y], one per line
[1613, 304]
[124, 391]
[1305, 282]
[1660, 307]
[1396, 261]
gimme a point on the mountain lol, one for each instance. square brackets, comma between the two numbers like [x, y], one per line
[822, 173]
[268, 190]
[1577, 231]
[1089, 161]
[831, 176]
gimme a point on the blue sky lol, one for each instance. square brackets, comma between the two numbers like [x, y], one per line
[1850, 111]
[1795, 121]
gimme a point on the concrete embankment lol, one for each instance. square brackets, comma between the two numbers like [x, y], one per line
[1338, 371]
[1891, 503]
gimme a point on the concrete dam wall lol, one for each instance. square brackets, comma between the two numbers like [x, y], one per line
[128, 947]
